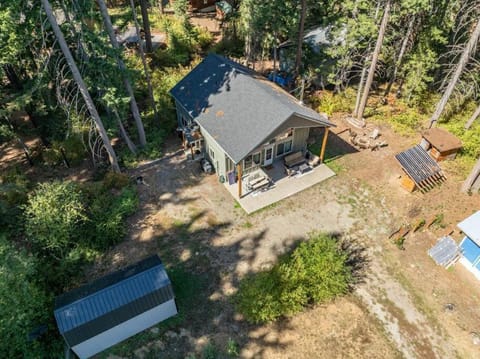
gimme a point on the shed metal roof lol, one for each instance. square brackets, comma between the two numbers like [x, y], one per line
[471, 227]
[236, 106]
[420, 167]
[111, 293]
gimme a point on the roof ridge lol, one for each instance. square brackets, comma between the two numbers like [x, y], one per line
[116, 284]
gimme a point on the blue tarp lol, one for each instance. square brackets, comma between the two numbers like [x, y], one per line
[470, 251]
[281, 80]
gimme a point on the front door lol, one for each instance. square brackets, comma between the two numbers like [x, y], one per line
[268, 158]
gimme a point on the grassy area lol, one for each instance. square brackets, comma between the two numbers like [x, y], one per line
[408, 120]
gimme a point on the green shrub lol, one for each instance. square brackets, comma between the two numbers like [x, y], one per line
[115, 180]
[23, 305]
[232, 348]
[6, 133]
[204, 38]
[12, 197]
[106, 217]
[330, 103]
[407, 121]
[210, 351]
[74, 149]
[53, 216]
[315, 272]
[229, 47]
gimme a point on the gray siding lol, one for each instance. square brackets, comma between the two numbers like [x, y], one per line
[293, 122]
[299, 143]
[181, 112]
[300, 137]
[219, 162]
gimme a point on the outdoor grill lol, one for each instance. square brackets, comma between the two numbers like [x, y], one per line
[420, 168]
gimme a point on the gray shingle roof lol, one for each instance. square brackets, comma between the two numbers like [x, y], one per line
[236, 106]
[85, 311]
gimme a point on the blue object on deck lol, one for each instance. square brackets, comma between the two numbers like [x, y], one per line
[471, 251]
[281, 80]
[231, 177]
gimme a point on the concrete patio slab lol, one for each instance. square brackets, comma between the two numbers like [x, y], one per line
[284, 187]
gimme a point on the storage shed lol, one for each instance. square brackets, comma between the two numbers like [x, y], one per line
[113, 308]
[470, 244]
[440, 144]
[421, 170]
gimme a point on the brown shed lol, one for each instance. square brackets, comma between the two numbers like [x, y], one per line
[440, 144]
[196, 5]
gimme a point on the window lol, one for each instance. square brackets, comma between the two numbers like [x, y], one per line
[284, 147]
[212, 154]
[251, 160]
[256, 158]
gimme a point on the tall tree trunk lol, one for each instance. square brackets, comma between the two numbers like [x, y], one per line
[12, 76]
[146, 25]
[81, 86]
[298, 58]
[475, 115]
[144, 62]
[458, 71]
[373, 65]
[403, 49]
[360, 87]
[123, 70]
[472, 177]
[124, 134]
[160, 6]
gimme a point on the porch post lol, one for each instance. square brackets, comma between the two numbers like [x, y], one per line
[239, 174]
[324, 144]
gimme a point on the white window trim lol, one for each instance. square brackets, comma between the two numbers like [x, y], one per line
[253, 163]
[283, 142]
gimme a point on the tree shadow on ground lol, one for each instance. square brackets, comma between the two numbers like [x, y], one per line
[206, 265]
[336, 146]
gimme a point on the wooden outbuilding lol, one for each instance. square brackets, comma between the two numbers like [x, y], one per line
[440, 144]
[421, 170]
[196, 5]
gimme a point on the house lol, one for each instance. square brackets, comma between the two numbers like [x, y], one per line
[98, 315]
[239, 120]
[440, 144]
[470, 245]
[316, 43]
[223, 9]
[196, 5]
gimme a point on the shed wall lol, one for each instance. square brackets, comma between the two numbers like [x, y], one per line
[125, 330]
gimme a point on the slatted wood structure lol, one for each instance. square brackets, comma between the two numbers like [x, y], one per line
[421, 168]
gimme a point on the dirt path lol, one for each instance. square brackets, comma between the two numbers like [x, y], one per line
[192, 219]
[384, 296]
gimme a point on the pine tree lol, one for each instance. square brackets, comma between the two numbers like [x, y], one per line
[81, 85]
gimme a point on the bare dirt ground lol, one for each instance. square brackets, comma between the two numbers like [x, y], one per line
[208, 22]
[208, 243]
[397, 311]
